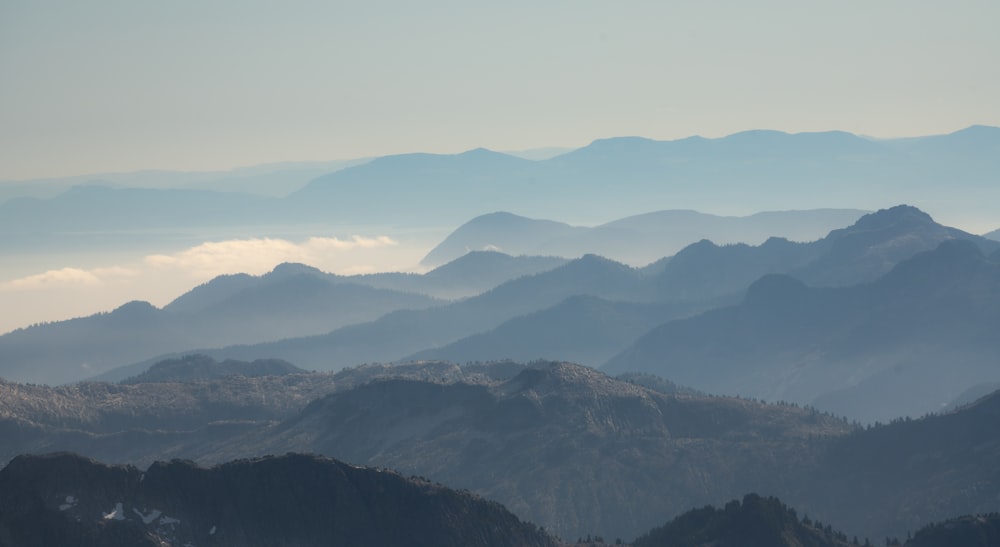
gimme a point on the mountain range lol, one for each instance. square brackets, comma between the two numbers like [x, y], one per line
[558, 444]
[636, 240]
[611, 178]
[63, 499]
[903, 345]
[700, 277]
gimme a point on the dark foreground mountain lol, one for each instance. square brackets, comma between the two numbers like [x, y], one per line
[64, 499]
[562, 445]
[637, 239]
[894, 479]
[967, 531]
[756, 522]
[905, 345]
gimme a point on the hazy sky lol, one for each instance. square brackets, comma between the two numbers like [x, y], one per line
[100, 86]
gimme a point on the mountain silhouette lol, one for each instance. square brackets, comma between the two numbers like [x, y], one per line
[637, 239]
[292, 300]
[562, 445]
[871, 352]
[63, 499]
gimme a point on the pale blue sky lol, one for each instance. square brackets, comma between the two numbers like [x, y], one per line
[103, 86]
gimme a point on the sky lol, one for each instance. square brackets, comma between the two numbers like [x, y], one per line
[118, 86]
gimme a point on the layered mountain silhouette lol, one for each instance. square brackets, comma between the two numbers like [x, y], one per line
[636, 239]
[561, 445]
[63, 499]
[582, 329]
[610, 178]
[292, 300]
[759, 169]
[467, 275]
[701, 276]
[401, 333]
[904, 345]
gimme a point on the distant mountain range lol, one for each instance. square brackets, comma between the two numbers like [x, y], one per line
[704, 275]
[698, 278]
[293, 300]
[761, 170]
[612, 178]
[63, 499]
[904, 345]
[636, 240]
[561, 445]
[542, 307]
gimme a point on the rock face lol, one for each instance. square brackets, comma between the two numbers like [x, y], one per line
[64, 499]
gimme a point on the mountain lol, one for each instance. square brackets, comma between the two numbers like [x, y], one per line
[856, 254]
[871, 352]
[472, 273]
[889, 480]
[638, 239]
[969, 531]
[994, 235]
[200, 367]
[610, 178]
[401, 333]
[415, 188]
[292, 300]
[562, 445]
[701, 276]
[581, 329]
[504, 232]
[757, 521]
[63, 499]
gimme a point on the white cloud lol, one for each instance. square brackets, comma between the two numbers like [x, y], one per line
[259, 255]
[68, 277]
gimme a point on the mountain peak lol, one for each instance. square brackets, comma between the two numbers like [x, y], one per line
[291, 269]
[900, 214]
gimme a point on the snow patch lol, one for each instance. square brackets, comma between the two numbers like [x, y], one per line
[212, 531]
[148, 519]
[117, 514]
[169, 520]
[70, 503]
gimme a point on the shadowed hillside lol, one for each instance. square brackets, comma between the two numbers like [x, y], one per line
[63, 499]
